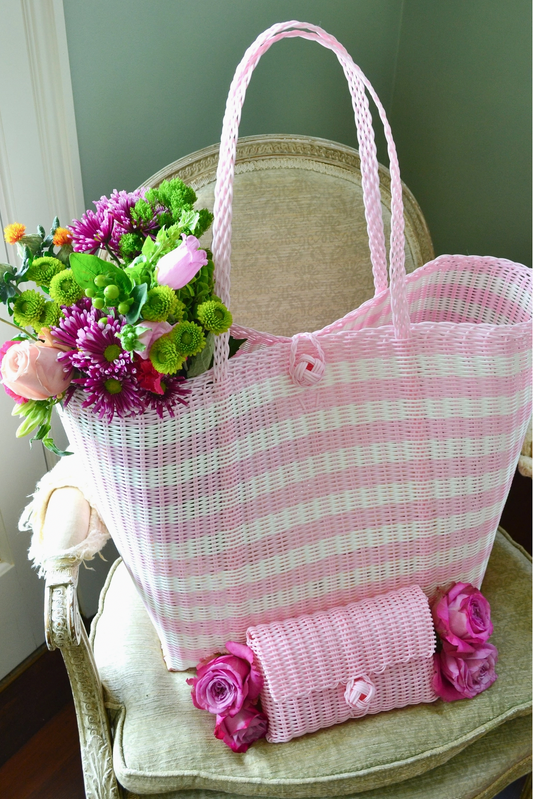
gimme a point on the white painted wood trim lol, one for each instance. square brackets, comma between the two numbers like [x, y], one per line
[40, 176]
[40, 170]
[46, 37]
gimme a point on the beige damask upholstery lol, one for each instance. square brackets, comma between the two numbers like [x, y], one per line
[300, 256]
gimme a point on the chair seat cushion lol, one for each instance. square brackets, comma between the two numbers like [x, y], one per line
[163, 744]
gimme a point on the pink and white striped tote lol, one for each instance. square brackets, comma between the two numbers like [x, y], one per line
[313, 471]
[366, 657]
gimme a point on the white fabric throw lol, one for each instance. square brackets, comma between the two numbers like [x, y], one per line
[67, 473]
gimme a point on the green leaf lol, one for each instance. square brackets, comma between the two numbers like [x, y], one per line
[203, 361]
[86, 267]
[49, 444]
[44, 429]
[7, 292]
[29, 424]
[148, 247]
[139, 295]
[188, 219]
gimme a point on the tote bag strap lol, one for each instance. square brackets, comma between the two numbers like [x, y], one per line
[357, 83]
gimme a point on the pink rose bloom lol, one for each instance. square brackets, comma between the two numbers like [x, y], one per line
[222, 685]
[32, 371]
[463, 676]
[155, 331]
[178, 267]
[462, 617]
[240, 731]
[3, 349]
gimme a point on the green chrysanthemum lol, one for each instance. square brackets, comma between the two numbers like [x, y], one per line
[130, 245]
[28, 308]
[160, 303]
[43, 270]
[64, 289]
[188, 338]
[165, 356]
[214, 316]
[50, 316]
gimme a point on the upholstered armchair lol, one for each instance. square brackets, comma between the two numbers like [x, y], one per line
[140, 735]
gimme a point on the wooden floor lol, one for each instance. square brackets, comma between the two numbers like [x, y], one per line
[48, 766]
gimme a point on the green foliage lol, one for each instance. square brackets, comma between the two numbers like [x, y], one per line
[130, 338]
[130, 245]
[204, 360]
[205, 218]
[38, 416]
[138, 295]
[94, 275]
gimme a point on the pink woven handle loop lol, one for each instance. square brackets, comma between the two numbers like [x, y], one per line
[369, 170]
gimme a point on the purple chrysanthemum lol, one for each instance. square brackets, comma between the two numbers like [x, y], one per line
[174, 393]
[119, 206]
[111, 395]
[99, 347]
[75, 318]
[95, 231]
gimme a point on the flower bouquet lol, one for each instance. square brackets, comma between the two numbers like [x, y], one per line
[127, 329]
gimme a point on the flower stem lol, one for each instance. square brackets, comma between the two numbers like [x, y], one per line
[20, 329]
[112, 254]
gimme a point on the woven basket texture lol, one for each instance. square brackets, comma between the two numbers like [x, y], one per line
[307, 663]
[318, 470]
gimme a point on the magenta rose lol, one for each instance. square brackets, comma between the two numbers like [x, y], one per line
[240, 731]
[178, 267]
[463, 676]
[32, 371]
[462, 617]
[222, 685]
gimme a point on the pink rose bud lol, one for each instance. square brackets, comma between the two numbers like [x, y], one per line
[32, 371]
[222, 685]
[155, 330]
[178, 267]
[462, 617]
[463, 676]
[240, 731]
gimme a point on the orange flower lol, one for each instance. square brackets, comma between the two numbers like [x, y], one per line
[62, 236]
[14, 232]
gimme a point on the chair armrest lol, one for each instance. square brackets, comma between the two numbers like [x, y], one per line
[66, 525]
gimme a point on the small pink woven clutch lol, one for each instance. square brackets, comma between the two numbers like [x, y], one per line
[362, 658]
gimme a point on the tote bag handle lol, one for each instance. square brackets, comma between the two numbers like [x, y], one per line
[357, 82]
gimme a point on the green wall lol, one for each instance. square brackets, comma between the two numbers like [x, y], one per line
[462, 122]
[150, 80]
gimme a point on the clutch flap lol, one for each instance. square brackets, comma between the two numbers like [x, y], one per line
[345, 645]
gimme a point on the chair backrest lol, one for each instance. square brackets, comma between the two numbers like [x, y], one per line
[300, 256]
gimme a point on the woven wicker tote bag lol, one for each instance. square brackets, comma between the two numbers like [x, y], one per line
[317, 470]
